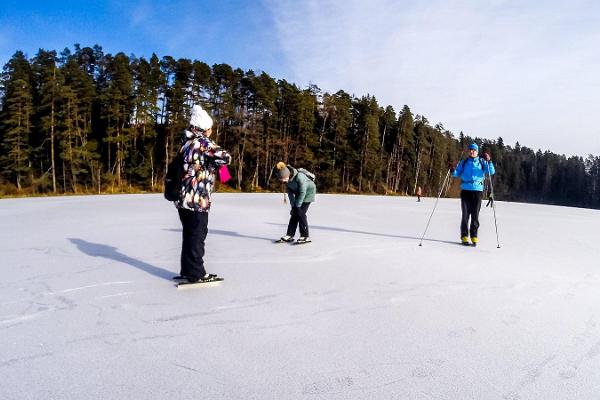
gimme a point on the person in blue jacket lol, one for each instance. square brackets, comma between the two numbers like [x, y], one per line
[472, 171]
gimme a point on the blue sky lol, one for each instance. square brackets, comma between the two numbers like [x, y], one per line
[524, 70]
[236, 32]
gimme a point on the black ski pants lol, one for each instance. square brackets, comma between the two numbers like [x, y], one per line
[195, 229]
[470, 202]
[298, 217]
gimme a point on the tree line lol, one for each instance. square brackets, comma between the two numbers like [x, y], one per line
[83, 121]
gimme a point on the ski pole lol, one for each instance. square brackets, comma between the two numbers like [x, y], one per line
[447, 188]
[284, 196]
[493, 205]
[435, 205]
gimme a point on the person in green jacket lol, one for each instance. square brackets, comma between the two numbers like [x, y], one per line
[301, 191]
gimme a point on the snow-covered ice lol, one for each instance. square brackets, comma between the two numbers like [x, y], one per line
[88, 311]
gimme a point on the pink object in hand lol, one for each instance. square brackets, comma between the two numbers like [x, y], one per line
[224, 174]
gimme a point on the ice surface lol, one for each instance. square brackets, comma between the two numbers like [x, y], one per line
[88, 311]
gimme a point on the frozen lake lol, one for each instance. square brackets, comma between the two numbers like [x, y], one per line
[88, 310]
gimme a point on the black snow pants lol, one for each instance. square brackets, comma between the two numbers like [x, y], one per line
[298, 216]
[195, 228]
[470, 202]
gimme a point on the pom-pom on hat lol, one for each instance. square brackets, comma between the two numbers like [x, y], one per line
[473, 146]
[200, 118]
[282, 170]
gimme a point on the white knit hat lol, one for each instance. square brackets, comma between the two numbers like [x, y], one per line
[200, 118]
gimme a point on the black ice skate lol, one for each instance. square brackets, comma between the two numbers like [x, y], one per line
[285, 239]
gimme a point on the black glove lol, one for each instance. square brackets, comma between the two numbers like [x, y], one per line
[452, 165]
[486, 156]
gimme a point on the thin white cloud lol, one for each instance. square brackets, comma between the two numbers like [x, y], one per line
[5, 46]
[172, 26]
[522, 70]
[140, 14]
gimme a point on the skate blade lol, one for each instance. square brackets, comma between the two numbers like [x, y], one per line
[188, 285]
[283, 241]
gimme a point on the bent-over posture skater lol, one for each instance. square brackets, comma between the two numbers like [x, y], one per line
[301, 190]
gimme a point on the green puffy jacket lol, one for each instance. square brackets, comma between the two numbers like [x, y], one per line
[300, 188]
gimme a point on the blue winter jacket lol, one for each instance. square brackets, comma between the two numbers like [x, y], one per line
[472, 173]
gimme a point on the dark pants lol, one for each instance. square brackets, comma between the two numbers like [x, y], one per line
[470, 202]
[298, 216]
[195, 228]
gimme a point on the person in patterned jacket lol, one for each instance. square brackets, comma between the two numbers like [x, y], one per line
[201, 158]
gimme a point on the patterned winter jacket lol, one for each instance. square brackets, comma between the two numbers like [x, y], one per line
[472, 173]
[300, 188]
[201, 158]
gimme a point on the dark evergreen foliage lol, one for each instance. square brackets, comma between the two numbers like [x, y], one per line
[86, 121]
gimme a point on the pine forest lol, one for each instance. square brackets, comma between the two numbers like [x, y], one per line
[84, 121]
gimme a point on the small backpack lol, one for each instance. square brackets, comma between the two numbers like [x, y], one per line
[174, 177]
[309, 174]
[464, 161]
